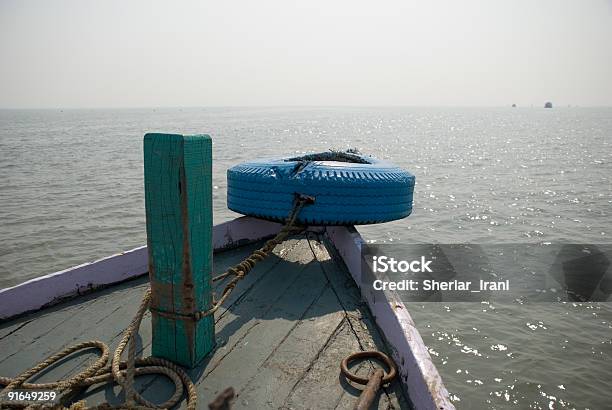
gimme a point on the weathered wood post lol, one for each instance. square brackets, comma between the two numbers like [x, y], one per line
[178, 203]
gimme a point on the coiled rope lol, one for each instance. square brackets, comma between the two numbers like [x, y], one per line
[123, 372]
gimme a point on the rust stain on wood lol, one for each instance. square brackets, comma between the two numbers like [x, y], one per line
[161, 294]
[187, 286]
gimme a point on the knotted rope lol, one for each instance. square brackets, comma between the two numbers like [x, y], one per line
[123, 372]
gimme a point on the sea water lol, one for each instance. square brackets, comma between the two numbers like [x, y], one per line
[71, 191]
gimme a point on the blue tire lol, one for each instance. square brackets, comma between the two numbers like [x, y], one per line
[349, 189]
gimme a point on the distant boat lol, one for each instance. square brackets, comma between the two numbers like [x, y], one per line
[513, 105]
[548, 105]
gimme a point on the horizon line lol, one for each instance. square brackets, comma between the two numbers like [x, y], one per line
[291, 106]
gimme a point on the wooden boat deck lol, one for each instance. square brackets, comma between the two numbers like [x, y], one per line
[280, 336]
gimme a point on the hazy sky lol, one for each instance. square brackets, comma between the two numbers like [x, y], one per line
[81, 53]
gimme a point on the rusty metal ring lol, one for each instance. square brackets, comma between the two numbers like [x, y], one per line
[372, 355]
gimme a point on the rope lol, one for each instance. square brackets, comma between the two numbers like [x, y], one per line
[123, 372]
[100, 371]
[240, 270]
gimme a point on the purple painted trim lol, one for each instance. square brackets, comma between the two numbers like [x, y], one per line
[417, 371]
[45, 290]
[52, 288]
[241, 231]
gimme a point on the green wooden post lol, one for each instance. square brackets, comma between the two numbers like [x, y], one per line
[178, 202]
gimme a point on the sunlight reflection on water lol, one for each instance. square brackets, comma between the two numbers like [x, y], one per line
[72, 192]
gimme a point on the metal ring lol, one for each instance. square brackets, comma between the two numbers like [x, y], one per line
[372, 355]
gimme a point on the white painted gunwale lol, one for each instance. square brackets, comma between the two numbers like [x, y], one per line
[47, 290]
[418, 374]
[417, 371]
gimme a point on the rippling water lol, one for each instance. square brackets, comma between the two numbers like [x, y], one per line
[72, 192]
